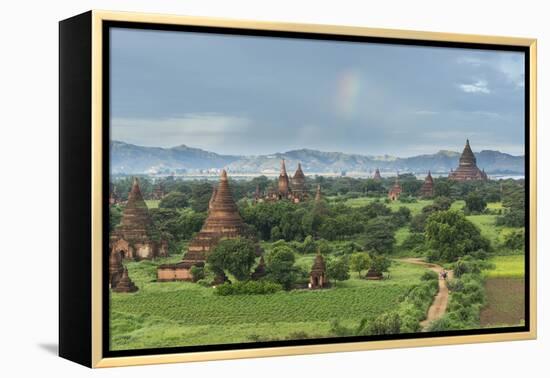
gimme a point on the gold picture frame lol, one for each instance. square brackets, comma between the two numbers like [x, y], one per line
[95, 20]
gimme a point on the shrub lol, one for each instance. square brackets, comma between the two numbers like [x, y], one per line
[197, 273]
[248, 288]
[512, 218]
[338, 269]
[469, 264]
[429, 275]
[515, 240]
[385, 324]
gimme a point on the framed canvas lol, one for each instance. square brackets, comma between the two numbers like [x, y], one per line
[234, 189]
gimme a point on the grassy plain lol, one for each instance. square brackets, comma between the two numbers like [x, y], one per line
[512, 266]
[152, 204]
[183, 313]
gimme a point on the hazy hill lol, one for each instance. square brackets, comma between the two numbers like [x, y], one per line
[128, 158]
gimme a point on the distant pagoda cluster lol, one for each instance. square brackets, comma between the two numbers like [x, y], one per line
[467, 171]
[293, 189]
[133, 237]
[467, 167]
[223, 221]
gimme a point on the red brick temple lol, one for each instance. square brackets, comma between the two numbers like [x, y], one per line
[427, 189]
[467, 167]
[133, 237]
[293, 189]
[395, 190]
[317, 276]
[223, 221]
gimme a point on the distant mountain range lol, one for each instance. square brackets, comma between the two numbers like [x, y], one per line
[131, 159]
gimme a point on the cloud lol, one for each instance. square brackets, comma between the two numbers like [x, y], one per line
[511, 65]
[425, 112]
[479, 86]
[193, 129]
[513, 69]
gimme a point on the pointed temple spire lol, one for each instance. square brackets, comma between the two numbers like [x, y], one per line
[427, 189]
[136, 220]
[283, 186]
[317, 276]
[223, 221]
[377, 176]
[467, 167]
[133, 236]
[395, 190]
[125, 284]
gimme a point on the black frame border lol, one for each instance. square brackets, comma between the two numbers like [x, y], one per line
[107, 25]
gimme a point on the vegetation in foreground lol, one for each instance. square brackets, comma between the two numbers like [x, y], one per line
[464, 227]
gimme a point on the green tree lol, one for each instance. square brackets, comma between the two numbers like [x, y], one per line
[512, 218]
[380, 263]
[449, 235]
[338, 269]
[115, 215]
[402, 216]
[236, 256]
[475, 203]
[309, 245]
[200, 196]
[280, 266]
[515, 240]
[384, 324]
[174, 200]
[380, 236]
[359, 262]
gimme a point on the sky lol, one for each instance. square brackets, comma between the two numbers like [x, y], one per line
[256, 95]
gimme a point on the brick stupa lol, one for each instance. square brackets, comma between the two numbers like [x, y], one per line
[317, 276]
[395, 190]
[133, 236]
[427, 188]
[223, 221]
[125, 284]
[299, 190]
[283, 185]
[467, 167]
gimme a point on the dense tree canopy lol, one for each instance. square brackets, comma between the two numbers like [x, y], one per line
[359, 262]
[174, 200]
[235, 256]
[338, 269]
[379, 236]
[449, 235]
[280, 266]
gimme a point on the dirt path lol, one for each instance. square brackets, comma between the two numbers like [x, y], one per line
[439, 305]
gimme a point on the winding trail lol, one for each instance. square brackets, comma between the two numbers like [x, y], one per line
[439, 305]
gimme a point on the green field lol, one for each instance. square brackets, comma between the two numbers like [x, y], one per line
[415, 207]
[486, 223]
[152, 204]
[183, 313]
[507, 267]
